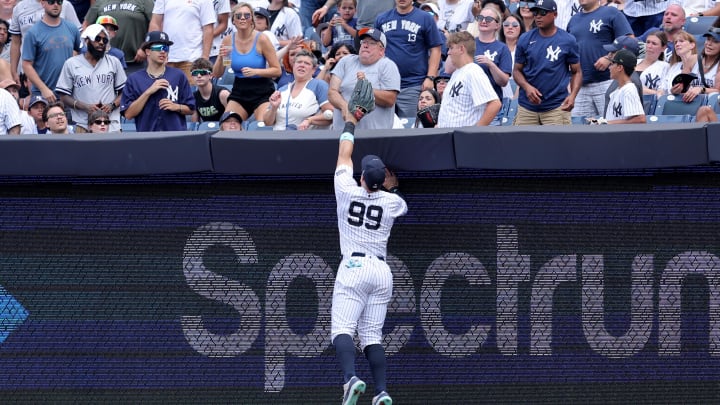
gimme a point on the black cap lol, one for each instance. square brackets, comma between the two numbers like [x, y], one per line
[548, 5]
[625, 58]
[156, 37]
[228, 114]
[373, 171]
[262, 11]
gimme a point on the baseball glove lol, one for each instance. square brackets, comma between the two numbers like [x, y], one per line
[428, 116]
[362, 101]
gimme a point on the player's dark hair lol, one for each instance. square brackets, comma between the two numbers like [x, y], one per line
[201, 63]
[51, 105]
[7, 29]
[501, 34]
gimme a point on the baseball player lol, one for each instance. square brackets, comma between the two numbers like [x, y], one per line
[364, 283]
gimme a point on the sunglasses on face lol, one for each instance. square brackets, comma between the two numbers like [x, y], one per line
[526, 4]
[485, 18]
[243, 16]
[51, 2]
[104, 40]
[101, 122]
[200, 72]
[508, 24]
[160, 48]
[541, 13]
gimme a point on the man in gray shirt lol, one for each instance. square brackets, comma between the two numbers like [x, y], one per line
[366, 12]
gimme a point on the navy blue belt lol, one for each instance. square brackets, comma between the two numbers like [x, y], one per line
[358, 254]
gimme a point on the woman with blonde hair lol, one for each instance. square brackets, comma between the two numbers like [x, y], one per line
[684, 60]
[254, 63]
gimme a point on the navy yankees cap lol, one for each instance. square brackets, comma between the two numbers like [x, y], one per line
[228, 114]
[624, 42]
[373, 171]
[374, 34]
[156, 37]
[263, 12]
[548, 5]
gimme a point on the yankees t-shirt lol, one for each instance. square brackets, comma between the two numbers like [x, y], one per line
[546, 63]
[465, 97]
[624, 103]
[499, 53]
[593, 30]
[652, 77]
[364, 219]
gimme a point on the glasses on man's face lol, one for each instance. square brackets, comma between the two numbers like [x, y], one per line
[243, 16]
[540, 12]
[57, 115]
[160, 48]
[486, 18]
[51, 2]
[508, 24]
[200, 72]
[101, 122]
[104, 40]
[369, 43]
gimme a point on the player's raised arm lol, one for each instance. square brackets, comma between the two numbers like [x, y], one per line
[361, 102]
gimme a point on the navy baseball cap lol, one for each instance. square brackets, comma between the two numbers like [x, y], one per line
[156, 37]
[228, 114]
[373, 171]
[37, 99]
[624, 42]
[373, 33]
[263, 12]
[713, 32]
[548, 5]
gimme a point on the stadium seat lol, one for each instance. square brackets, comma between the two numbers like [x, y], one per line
[258, 126]
[670, 104]
[510, 113]
[649, 103]
[208, 126]
[128, 126]
[713, 100]
[228, 78]
[662, 119]
[699, 25]
[579, 120]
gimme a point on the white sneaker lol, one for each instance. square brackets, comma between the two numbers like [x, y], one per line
[382, 399]
[353, 389]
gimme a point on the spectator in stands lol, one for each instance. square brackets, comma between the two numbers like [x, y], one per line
[284, 21]
[5, 41]
[10, 122]
[36, 110]
[342, 26]
[111, 26]
[99, 122]
[546, 63]
[625, 105]
[254, 62]
[231, 121]
[27, 123]
[222, 11]
[440, 83]
[336, 53]
[134, 17]
[594, 26]
[672, 23]
[158, 98]
[287, 55]
[631, 44]
[92, 80]
[26, 14]
[526, 14]
[512, 28]
[210, 99]
[413, 43]
[710, 58]
[47, 45]
[491, 54]
[427, 98]
[6, 10]
[301, 104]
[684, 59]
[383, 74]
[262, 24]
[56, 120]
[653, 69]
[191, 27]
[366, 12]
[470, 99]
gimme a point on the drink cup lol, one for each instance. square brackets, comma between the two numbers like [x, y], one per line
[226, 52]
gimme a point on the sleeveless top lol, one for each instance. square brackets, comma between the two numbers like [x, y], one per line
[252, 59]
[212, 108]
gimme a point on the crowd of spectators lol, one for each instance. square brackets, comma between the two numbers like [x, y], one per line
[166, 65]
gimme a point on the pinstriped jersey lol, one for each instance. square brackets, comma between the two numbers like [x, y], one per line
[364, 219]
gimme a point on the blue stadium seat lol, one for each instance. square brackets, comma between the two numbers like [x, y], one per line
[670, 104]
[510, 113]
[662, 119]
[698, 25]
[649, 103]
[208, 126]
[713, 101]
[579, 120]
[227, 78]
[128, 126]
[257, 126]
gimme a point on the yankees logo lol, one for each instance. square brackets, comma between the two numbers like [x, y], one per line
[652, 82]
[552, 54]
[575, 10]
[595, 26]
[489, 55]
[281, 31]
[455, 90]
[172, 93]
[617, 109]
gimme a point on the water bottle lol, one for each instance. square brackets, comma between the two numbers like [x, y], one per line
[339, 31]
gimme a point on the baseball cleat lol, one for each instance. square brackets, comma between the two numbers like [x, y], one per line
[382, 399]
[353, 389]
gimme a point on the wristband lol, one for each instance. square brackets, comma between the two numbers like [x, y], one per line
[349, 128]
[346, 136]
